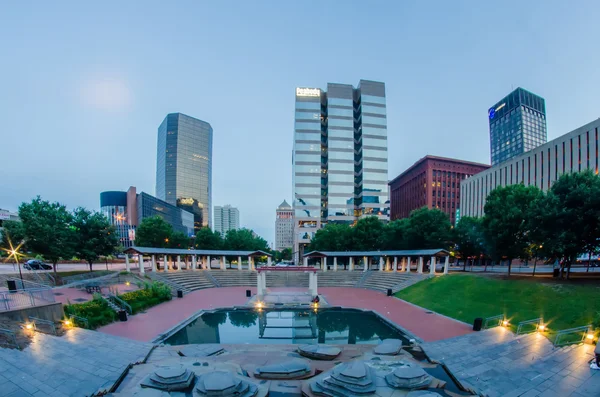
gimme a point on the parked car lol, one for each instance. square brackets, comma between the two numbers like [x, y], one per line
[34, 264]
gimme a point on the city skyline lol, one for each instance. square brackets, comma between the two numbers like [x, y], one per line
[440, 80]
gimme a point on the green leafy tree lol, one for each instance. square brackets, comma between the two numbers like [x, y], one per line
[367, 235]
[153, 232]
[428, 228]
[179, 240]
[286, 254]
[47, 231]
[206, 239]
[506, 221]
[13, 231]
[468, 238]
[94, 235]
[395, 234]
[566, 221]
[333, 237]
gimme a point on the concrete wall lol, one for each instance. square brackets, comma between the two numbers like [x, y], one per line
[52, 311]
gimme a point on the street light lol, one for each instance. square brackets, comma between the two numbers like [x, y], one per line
[13, 252]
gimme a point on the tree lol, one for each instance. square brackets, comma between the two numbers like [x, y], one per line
[13, 230]
[179, 240]
[94, 235]
[506, 222]
[206, 239]
[428, 229]
[395, 234]
[367, 235]
[566, 221]
[46, 227]
[333, 237]
[286, 254]
[153, 232]
[468, 238]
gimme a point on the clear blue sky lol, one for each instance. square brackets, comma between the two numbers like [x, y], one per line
[84, 85]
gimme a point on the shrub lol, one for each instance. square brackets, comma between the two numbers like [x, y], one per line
[150, 295]
[97, 311]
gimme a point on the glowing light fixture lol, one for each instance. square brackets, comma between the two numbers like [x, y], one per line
[68, 323]
[590, 336]
[259, 305]
[505, 323]
[541, 328]
[127, 283]
[29, 326]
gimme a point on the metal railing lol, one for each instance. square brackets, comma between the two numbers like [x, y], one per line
[521, 327]
[560, 340]
[25, 298]
[8, 338]
[39, 324]
[26, 284]
[120, 303]
[494, 321]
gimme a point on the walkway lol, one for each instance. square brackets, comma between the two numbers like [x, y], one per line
[76, 295]
[77, 364]
[159, 319]
[498, 363]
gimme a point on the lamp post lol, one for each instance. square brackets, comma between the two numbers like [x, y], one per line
[13, 252]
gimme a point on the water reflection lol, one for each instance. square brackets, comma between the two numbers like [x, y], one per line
[330, 326]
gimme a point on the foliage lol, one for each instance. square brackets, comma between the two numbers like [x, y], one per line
[151, 295]
[179, 240]
[466, 297]
[96, 311]
[153, 232]
[207, 239]
[244, 240]
[468, 237]
[333, 237]
[286, 254]
[15, 231]
[94, 235]
[428, 229]
[566, 221]
[505, 223]
[243, 318]
[367, 235]
[47, 230]
[394, 237]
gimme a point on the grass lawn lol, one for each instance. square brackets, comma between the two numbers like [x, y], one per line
[466, 297]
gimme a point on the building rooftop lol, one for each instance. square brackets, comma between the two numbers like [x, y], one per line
[440, 158]
[284, 205]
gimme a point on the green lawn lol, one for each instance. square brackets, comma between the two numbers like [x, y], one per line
[466, 297]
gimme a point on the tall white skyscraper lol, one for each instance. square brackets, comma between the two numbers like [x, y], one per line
[284, 226]
[340, 158]
[226, 218]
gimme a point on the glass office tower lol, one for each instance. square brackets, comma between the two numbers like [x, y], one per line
[184, 164]
[339, 157]
[517, 125]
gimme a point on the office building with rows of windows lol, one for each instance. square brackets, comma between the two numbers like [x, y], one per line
[184, 165]
[284, 226]
[226, 218]
[339, 157]
[432, 182]
[517, 125]
[573, 152]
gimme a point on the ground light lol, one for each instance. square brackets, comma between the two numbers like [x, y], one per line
[541, 328]
[127, 283]
[67, 323]
[259, 305]
[590, 336]
[505, 323]
[28, 326]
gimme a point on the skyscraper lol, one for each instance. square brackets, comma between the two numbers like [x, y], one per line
[284, 226]
[226, 218]
[339, 158]
[184, 165]
[517, 125]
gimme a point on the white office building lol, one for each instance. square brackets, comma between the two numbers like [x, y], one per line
[284, 226]
[226, 218]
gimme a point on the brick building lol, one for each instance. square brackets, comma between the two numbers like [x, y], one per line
[433, 182]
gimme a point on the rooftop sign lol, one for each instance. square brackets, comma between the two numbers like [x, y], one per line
[314, 92]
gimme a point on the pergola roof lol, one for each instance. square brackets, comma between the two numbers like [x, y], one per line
[424, 252]
[179, 251]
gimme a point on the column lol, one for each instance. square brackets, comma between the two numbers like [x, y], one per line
[194, 263]
[408, 262]
[165, 263]
[365, 264]
[208, 262]
[420, 266]
[153, 263]
[387, 264]
[222, 262]
[395, 264]
[381, 263]
[432, 265]
[249, 263]
[305, 261]
[335, 263]
[446, 264]
[239, 263]
[178, 263]
[350, 264]
[324, 263]
[269, 262]
[315, 284]
[141, 263]
[264, 282]
[127, 263]
[258, 284]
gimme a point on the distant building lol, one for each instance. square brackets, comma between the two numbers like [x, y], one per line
[432, 182]
[126, 210]
[226, 218]
[6, 215]
[542, 166]
[284, 226]
[517, 125]
[340, 157]
[184, 165]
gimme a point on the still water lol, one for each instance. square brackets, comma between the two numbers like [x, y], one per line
[330, 326]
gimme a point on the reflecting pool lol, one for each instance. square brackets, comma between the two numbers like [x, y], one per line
[329, 326]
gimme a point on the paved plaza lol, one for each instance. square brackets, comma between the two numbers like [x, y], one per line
[498, 363]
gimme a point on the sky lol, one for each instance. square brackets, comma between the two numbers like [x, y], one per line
[85, 85]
